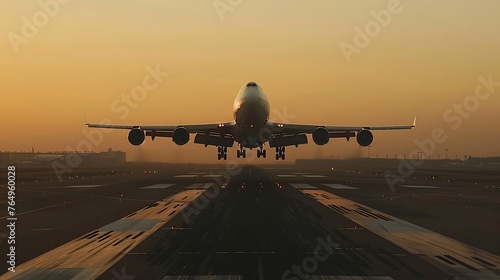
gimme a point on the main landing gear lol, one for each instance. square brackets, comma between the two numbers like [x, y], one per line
[241, 152]
[222, 153]
[280, 153]
[261, 152]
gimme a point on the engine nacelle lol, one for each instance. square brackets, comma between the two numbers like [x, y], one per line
[180, 136]
[320, 136]
[364, 137]
[136, 136]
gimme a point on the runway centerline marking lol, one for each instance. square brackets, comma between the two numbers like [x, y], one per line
[90, 255]
[157, 186]
[199, 186]
[303, 186]
[314, 176]
[81, 186]
[212, 176]
[419, 187]
[340, 187]
[466, 261]
[186, 176]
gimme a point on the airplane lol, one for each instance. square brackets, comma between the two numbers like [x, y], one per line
[250, 128]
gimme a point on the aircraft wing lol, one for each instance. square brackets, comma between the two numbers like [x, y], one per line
[192, 128]
[216, 134]
[285, 128]
[285, 134]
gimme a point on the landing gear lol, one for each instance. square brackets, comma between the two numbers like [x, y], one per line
[261, 152]
[241, 152]
[222, 153]
[280, 153]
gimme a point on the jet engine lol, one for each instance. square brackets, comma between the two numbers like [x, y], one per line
[136, 136]
[364, 137]
[320, 136]
[180, 136]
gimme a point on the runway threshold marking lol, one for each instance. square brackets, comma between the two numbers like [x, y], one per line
[92, 254]
[452, 256]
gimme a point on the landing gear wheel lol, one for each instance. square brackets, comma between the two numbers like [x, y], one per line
[280, 153]
[261, 152]
[222, 153]
[241, 153]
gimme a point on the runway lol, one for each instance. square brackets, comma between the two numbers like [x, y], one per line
[255, 222]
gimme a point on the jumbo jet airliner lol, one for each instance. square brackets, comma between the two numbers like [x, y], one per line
[251, 128]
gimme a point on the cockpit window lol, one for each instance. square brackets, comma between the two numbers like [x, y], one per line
[251, 84]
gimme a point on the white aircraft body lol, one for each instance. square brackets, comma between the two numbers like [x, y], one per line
[251, 128]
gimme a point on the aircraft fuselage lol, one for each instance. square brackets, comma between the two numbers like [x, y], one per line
[251, 113]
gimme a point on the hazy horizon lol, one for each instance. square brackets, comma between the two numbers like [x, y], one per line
[424, 59]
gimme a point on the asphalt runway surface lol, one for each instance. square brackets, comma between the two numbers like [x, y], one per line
[253, 222]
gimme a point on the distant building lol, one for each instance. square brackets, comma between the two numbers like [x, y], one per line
[487, 162]
[45, 159]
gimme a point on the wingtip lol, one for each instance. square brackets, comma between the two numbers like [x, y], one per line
[414, 121]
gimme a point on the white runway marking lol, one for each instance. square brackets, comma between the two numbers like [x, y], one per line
[340, 187]
[286, 176]
[82, 186]
[303, 186]
[90, 255]
[454, 257]
[186, 176]
[212, 176]
[419, 187]
[314, 176]
[199, 186]
[158, 186]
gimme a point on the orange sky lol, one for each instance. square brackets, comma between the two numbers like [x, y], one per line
[84, 55]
